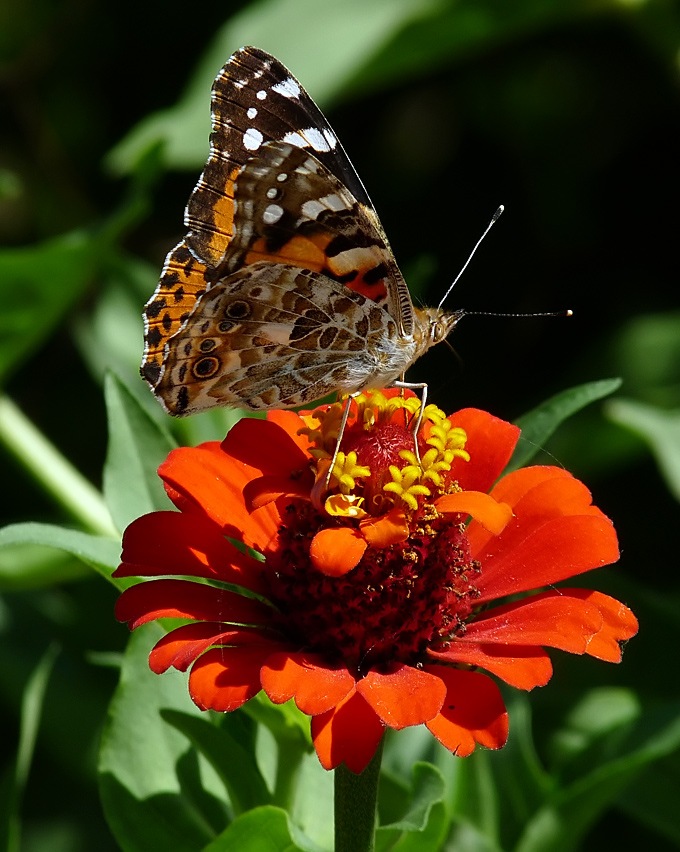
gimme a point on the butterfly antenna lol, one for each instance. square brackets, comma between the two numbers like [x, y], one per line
[565, 313]
[496, 216]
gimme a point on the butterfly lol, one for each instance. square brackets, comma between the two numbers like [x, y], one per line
[285, 288]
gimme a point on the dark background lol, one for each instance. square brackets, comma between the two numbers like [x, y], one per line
[566, 113]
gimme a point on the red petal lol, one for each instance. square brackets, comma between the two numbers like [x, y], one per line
[207, 481]
[490, 442]
[225, 678]
[555, 620]
[266, 448]
[536, 495]
[521, 667]
[556, 550]
[291, 423]
[315, 686]
[493, 516]
[183, 599]
[619, 624]
[403, 696]
[334, 552]
[182, 646]
[265, 489]
[185, 544]
[349, 733]
[510, 490]
[473, 712]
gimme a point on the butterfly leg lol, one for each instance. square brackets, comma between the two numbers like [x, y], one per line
[421, 386]
[341, 432]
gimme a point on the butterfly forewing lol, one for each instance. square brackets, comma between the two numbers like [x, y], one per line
[255, 100]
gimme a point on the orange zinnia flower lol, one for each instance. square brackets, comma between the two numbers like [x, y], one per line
[369, 603]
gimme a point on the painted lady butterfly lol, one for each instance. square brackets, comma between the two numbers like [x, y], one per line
[285, 288]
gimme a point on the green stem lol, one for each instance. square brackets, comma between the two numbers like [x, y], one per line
[287, 772]
[55, 473]
[356, 798]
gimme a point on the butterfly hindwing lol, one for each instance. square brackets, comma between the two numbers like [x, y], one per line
[272, 336]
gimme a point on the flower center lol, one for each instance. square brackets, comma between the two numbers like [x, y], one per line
[413, 580]
[376, 467]
[398, 601]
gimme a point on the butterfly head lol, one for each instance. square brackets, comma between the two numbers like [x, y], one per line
[435, 325]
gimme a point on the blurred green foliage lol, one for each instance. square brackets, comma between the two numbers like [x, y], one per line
[568, 114]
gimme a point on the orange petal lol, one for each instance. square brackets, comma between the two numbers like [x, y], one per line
[552, 620]
[185, 544]
[335, 552]
[619, 624]
[386, 530]
[490, 442]
[520, 666]
[349, 734]
[473, 712]
[492, 515]
[403, 695]
[308, 678]
[154, 599]
[208, 481]
[557, 550]
[265, 489]
[225, 678]
[179, 648]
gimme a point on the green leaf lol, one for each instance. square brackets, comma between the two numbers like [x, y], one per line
[424, 824]
[38, 285]
[110, 335]
[231, 754]
[28, 566]
[429, 838]
[659, 429]
[540, 423]
[137, 446]
[101, 553]
[597, 723]
[444, 33]
[562, 822]
[265, 829]
[31, 710]
[285, 721]
[296, 32]
[653, 800]
[157, 793]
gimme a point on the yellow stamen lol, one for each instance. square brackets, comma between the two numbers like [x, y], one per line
[346, 471]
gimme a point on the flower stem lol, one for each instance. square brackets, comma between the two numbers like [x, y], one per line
[54, 473]
[356, 797]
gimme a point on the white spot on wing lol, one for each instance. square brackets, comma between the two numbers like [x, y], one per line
[272, 214]
[261, 95]
[330, 137]
[295, 139]
[334, 202]
[272, 192]
[252, 112]
[312, 208]
[316, 139]
[288, 88]
[252, 139]
[281, 177]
